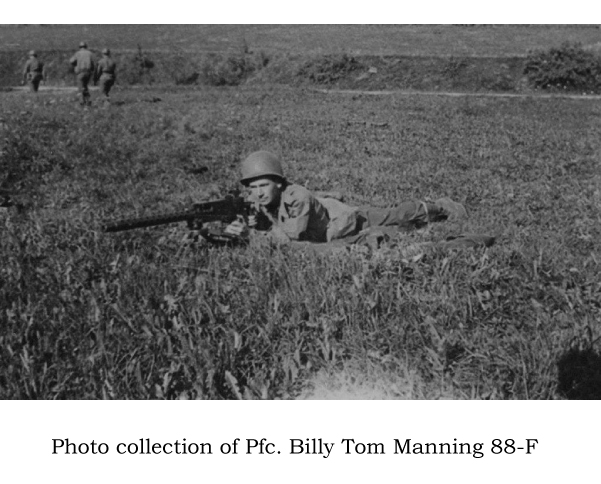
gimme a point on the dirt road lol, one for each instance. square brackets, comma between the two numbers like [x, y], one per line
[374, 93]
[51, 88]
[459, 94]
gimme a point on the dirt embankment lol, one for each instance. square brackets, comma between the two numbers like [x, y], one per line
[470, 74]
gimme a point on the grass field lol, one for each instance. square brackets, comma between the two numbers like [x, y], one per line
[484, 58]
[415, 40]
[146, 314]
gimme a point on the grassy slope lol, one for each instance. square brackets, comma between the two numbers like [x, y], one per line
[141, 315]
[419, 40]
[422, 57]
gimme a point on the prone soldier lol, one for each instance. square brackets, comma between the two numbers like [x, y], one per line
[284, 213]
[298, 215]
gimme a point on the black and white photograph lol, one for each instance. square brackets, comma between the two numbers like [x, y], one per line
[301, 212]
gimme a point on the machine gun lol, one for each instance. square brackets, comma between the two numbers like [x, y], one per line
[225, 210]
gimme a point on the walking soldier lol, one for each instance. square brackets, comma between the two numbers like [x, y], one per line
[84, 65]
[106, 73]
[34, 71]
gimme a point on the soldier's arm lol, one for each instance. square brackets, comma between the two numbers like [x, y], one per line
[25, 71]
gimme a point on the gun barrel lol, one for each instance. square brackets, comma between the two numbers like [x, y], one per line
[225, 210]
[138, 223]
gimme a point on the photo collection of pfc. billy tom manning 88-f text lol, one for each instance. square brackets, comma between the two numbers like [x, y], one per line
[381, 237]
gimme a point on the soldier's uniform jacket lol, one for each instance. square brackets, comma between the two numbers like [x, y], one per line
[106, 68]
[33, 67]
[83, 60]
[304, 217]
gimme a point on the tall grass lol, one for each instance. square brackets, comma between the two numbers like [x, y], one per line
[146, 314]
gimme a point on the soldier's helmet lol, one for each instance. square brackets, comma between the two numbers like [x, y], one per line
[260, 164]
[32, 53]
[83, 45]
[106, 51]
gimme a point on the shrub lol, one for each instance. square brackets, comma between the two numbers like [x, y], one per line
[136, 69]
[454, 67]
[568, 67]
[329, 69]
[232, 70]
[181, 68]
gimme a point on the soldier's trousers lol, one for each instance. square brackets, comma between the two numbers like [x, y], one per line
[105, 84]
[34, 82]
[408, 215]
[83, 79]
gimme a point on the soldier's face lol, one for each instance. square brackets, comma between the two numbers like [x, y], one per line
[266, 191]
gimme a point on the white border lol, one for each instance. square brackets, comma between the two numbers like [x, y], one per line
[566, 451]
[306, 11]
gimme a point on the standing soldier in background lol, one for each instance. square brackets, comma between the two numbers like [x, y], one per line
[105, 73]
[83, 62]
[34, 72]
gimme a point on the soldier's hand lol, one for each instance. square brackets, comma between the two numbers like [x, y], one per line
[237, 228]
[191, 238]
[252, 221]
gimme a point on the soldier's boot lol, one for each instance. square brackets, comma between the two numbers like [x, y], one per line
[86, 98]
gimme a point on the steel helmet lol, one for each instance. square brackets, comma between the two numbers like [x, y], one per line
[106, 51]
[32, 53]
[83, 45]
[260, 164]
